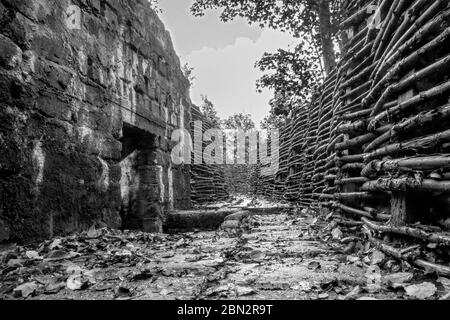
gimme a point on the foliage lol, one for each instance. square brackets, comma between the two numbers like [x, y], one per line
[293, 76]
[239, 121]
[273, 121]
[295, 16]
[282, 107]
[188, 72]
[315, 25]
[209, 111]
[301, 18]
[154, 4]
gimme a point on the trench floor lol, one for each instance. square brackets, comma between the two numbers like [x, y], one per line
[291, 255]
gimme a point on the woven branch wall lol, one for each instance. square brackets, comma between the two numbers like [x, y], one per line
[207, 181]
[379, 129]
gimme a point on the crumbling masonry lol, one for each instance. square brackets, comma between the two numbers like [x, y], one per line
[87, 109]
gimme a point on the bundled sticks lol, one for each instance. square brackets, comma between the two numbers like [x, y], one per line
[379, 128]
[207, 181]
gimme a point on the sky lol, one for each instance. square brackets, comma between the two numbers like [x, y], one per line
[223, 56]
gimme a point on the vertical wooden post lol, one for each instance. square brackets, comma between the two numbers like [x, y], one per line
[399, 209]
[401, 201]
[349, 187]
[409, 207]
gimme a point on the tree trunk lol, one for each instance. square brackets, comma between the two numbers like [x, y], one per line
[326, 32]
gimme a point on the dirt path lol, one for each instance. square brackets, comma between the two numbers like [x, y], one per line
[283, 256]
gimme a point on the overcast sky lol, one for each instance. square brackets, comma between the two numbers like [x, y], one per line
[223, 57]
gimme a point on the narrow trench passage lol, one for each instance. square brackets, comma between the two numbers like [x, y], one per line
[266, 251]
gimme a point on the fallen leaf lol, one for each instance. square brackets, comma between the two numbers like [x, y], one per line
[15, 263]
[44, 280]
[445, 297]
[329, 284]
[378, 257]
[218, 290]
[337, 234]
[311, 221]
[76, 282]
[230, 225]
[34, 255]
[305, 286]
[90, 276]
[314, 265]
[124, 253]
[143, 274]
[103, 287]
[244, 291]
[167, 255]
[445, 282]
[25, 290]
[323, 296]
[196, 258]
[166, 292]
[73, 269]
[373, 279]
[58, 255]
[398, 278]
[53, 288]
[122, 292]
[56, 244]
[350, 248]
[239, 216]
[366, 260]
[354, 293]
[421, 291]
[353, 259]
[180, 243]
[256, 255]
[93, 233]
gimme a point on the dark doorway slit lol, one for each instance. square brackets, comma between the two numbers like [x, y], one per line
[141, 209]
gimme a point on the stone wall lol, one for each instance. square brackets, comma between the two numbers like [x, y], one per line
[86, 111]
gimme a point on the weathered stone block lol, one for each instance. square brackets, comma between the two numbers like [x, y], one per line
[95, 5]
[10, 53]
[62, 142]
[53, 107]
[20, 31]
[93, 25]
[51, 47]
[111, 18]
[25, 6]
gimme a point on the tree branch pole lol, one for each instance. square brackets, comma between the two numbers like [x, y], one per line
[326, 32]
